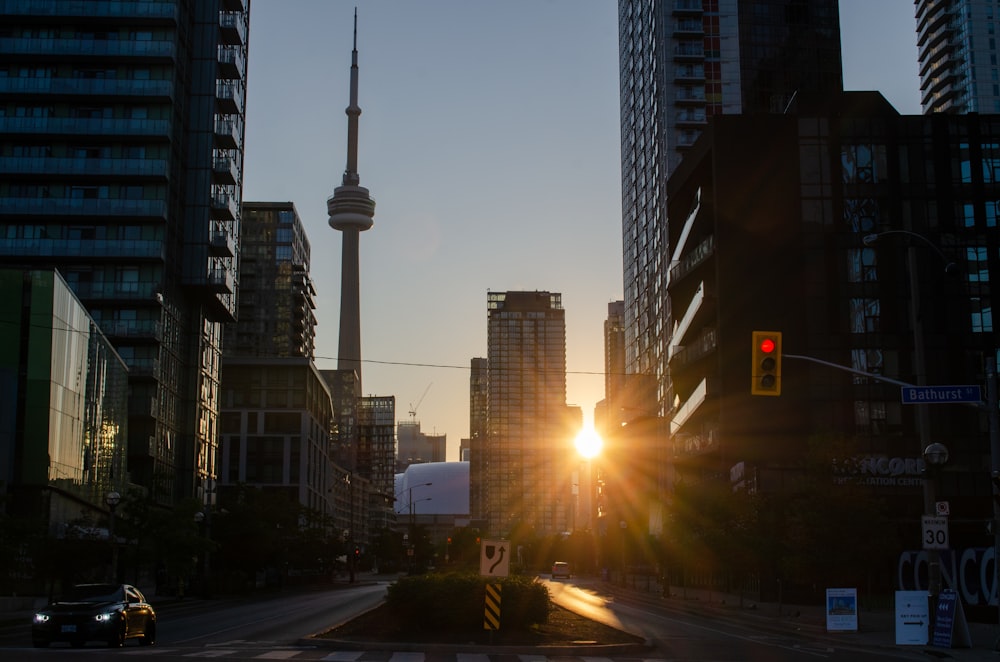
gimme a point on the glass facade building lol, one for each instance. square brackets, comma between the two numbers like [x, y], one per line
[276, 304]
[529, 443]
[845, 247]
[682, 62]
[121, 160]
[63, 410]
[957, 51]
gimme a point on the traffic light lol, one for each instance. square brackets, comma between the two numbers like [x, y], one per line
[357, 552]
[766, 369]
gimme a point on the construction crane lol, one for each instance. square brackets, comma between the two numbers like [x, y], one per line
[413, 408]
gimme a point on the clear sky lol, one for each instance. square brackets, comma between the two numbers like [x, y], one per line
[489, 139]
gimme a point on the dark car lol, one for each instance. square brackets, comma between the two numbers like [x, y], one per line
[110, 613]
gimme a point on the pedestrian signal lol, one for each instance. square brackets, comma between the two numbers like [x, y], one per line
[766, 368]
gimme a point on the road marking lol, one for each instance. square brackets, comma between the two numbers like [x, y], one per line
[343, 656]
[406, 657]
[278, 655]
[472, 657]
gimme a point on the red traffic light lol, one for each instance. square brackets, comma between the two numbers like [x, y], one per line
[767, 345]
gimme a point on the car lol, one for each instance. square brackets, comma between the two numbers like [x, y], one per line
[560, 569]
[111, 613]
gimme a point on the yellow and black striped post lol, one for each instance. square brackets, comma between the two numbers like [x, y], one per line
[491, 619]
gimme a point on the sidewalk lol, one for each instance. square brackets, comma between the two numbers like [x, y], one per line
[876, 627]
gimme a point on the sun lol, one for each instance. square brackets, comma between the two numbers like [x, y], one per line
[588, 442]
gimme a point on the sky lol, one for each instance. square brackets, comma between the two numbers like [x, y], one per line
[489, 139]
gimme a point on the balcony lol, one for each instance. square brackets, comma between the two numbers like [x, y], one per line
[232, 65]
[81, 49]
[224, 171]
[690, 261]
[684, 356]
[229, 97]
[689, 28]
[89, 249]
[157, 168]
[689, 51]
[224, 207]
[227, 134]
[220, 281]
[221, 243]
[233, 26]
[75, 208]
[103, 9]
[94, 128]
[691, 117]
[157, 90]
[687, 7]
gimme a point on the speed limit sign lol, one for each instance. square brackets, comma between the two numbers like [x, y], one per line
[934, 532]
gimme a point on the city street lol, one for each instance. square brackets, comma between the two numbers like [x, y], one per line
[276, 628]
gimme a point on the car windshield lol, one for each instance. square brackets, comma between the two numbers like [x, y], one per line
[92, 593]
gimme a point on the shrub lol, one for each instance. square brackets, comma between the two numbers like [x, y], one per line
[456, 603]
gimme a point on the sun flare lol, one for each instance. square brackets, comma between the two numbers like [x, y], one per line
[588, 442]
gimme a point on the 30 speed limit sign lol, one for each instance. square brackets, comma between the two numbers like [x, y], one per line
[934, 532]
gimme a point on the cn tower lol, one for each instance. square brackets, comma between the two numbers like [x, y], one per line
[351, 211]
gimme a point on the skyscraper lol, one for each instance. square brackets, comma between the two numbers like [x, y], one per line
[122, 164]
[351, 211]
[529, 444]
[276, 308]
[682, 62]
[956, 42]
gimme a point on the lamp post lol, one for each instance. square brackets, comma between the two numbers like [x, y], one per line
[112, 499]
[934, 454]
[409, 504]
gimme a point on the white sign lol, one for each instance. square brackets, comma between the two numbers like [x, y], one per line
[943, 508]
[934, 532]
[494, 558]
[841, 610]
[912, 618]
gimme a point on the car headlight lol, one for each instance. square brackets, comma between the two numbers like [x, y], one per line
[41, 618]
[105, 617]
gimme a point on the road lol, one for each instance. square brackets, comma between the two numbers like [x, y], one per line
[272, 629]
[683, 635]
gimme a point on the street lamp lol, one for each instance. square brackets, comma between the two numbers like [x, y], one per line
[112, 499]
[934, 454]
[410, 502]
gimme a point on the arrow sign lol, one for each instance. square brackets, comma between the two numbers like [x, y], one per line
[929, 395]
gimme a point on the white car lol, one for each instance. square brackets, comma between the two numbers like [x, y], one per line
[560, 569]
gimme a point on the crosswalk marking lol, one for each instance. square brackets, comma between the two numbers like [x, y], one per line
[278, 655]
[406, 657]
[532, 658]
[343, 656]
[472, 657]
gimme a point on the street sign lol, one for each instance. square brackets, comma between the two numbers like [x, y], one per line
[494, 558]
[934, 532]
[931, 395]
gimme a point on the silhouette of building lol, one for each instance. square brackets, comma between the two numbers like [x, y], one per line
[478, 456]
[843, 230]
[529, 440]
[681, 63]
[122, 154]
[416, 447]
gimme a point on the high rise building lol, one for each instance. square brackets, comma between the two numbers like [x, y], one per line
[376, 459]
[478, 402]
[121, 148]
[529, 438]
[414, 446]
[276, 307]
[957, 51]
[856, 265]
[682, 62]
[276, 408]
[351, 212]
